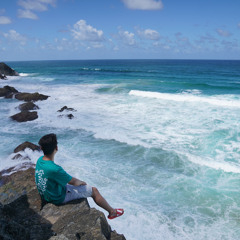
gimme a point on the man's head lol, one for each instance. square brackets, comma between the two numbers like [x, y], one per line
[48, 143]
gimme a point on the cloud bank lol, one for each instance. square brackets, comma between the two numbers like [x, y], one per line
[84, 32]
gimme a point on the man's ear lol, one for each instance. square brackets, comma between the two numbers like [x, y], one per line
[57, 148]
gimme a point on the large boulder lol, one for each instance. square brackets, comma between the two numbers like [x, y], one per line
[25, 145]
[7, 91]
[22, 206]
[25, 116]
[28, 106]
[27, 97]
[7, 71]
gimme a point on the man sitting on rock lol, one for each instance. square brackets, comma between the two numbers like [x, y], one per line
[57, 186]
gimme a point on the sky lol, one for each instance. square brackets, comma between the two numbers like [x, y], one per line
[119, 29]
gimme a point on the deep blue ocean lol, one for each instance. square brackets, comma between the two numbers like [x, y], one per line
[159, 138]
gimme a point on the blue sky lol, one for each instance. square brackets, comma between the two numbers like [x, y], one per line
[119, 29]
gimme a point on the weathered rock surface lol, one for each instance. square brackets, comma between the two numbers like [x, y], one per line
[6, 70]
[28, 106]
[22, 217]
[25, 116]
[25, 145]
[27, 97]
[7, 91]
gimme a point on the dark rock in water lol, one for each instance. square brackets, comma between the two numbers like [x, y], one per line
[3, 77]
[66, 108]
[25, 145]
[28, 106]
[27, 97]
[70, 116]
[25, 116]
[22, 206]
[6, 70]
[7, 91]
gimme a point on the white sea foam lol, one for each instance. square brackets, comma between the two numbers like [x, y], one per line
[188, 98]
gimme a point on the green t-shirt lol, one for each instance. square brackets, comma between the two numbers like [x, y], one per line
[51, 181]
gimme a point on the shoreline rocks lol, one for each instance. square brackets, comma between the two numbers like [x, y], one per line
[23, 216]
[5, 70]
[25, 116]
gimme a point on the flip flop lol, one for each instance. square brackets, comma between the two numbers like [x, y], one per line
[119, 212]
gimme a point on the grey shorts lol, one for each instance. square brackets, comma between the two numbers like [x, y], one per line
[76, 192]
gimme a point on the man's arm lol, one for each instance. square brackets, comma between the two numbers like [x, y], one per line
[76, 182]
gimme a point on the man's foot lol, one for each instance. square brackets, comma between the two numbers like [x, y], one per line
[116, 213]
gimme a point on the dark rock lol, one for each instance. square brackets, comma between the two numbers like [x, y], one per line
[25, 145]
[22, 205]
[70, 116]
[27, 97]
[28, 106]
[3, 77]
[25, 116]
[6, 70]
[7, 90]
[66, 108]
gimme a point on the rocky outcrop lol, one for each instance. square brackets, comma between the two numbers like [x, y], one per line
[7, 91]
[25, 116]
[25, 145]
[65, 108]
[7, 71]
[28, 106]
[23, 216]
[27, 97]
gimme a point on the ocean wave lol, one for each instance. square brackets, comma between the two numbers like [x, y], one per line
[218, 101]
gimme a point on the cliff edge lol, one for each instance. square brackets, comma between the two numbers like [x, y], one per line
[23, 216]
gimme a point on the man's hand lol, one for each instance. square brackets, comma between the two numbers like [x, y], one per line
[76, 182]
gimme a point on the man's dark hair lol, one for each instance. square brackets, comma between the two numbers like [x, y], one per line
[48, 143]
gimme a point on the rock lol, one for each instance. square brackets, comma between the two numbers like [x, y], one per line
[25, 116]
[25, 145]
[6, 70]
[28, 106]
[27, 97]
[70, 116]
[23, 207]
[3, 77]
[66, 108]
[7, 91]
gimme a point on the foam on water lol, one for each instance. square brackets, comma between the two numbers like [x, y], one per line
[188, 98]
[170, 160]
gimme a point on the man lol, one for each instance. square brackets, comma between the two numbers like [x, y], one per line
[57, 186]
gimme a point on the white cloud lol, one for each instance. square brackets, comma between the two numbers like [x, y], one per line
[82, 31]
[127, 37]
[5, 20]
[26, 14]
[30, 6]
[149, 34]
[143, 4]
[12, 35]
[223, 33]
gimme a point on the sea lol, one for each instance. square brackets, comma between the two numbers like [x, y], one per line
[159, 138]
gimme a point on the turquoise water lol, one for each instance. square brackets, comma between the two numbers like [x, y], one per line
[159, 138]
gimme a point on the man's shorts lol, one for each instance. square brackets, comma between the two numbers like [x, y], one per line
[76, 192]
